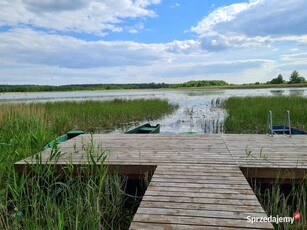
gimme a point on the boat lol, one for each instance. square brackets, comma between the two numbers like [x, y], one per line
[146, 128]
[69, 135]
[281, 129]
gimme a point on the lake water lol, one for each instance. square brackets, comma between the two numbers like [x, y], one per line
[199, 110]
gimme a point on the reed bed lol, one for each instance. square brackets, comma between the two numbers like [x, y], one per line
[47, 199]
[99, 116]
[250, 114]
[283, 200]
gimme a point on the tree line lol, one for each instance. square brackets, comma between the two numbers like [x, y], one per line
[78, 87]
[200, 84]
[295, 78]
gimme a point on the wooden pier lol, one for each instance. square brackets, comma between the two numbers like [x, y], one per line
[199, 180]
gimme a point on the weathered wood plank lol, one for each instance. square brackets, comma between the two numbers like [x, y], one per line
[197, 177]
[229, 214]
[202, 200]
[237, 196]
[165, 226]
[190, 185]
[181, 189]
[195, 180]
[200, 221]
[201, 206]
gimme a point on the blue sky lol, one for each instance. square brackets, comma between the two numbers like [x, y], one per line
[132, 41]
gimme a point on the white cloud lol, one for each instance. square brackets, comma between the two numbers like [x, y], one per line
[201, 68]
[136, 28]
[89, 16]
[256, 23]
[219, 16]
[301, 39]
[289, 62]
[215, 42]
[271, 17]
[183, 47]
[296, 59]
[231, 71]
[215, 68]
[255, 41]
[31, 57]
[39, 6]
[220, 42]
[28, 46]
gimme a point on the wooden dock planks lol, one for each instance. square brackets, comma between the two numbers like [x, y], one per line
[176, 201]
[276, 152]
[197, 183]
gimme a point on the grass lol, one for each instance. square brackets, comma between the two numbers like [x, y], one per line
[250, 114]
[283, 200]
[47, 199]
[89, 198]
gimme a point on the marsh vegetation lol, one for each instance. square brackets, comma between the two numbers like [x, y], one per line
[250, 114]
[47, 199]
[283, 200]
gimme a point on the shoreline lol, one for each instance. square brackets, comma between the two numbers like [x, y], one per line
[264, 86]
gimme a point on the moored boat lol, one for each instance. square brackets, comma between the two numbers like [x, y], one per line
[281, 129]
[69, 135]
[146, 128]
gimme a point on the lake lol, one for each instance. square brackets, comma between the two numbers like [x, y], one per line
[199, 110]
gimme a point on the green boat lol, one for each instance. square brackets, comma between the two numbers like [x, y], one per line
[146, 128]
[65, 137]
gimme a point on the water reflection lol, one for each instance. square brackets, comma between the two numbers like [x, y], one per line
[296, 92]
[277, 92]
[199, 110]
[202, 92]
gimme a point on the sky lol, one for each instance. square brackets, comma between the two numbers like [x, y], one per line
[57, 42]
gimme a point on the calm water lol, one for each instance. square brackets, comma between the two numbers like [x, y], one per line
[198, 111]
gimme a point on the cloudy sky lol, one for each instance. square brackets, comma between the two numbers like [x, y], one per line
[132, 41]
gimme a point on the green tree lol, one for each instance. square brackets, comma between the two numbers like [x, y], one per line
[296, 78]
[278, 80]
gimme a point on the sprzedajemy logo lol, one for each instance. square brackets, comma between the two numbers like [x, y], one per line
[271, 219]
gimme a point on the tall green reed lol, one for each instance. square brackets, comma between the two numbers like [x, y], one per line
[87, 198]
[281, 196]
[280, 199]
[67, 196]
[250, 114]
[101, 116]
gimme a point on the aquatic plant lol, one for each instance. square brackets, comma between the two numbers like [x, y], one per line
[250, 114]
[50, 197]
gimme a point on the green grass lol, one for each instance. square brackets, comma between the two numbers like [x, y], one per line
[46, 199]
[89, 198]
[250, 114]
[98, 116]
[283, 200]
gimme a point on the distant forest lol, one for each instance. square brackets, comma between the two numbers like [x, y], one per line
[48, 88]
